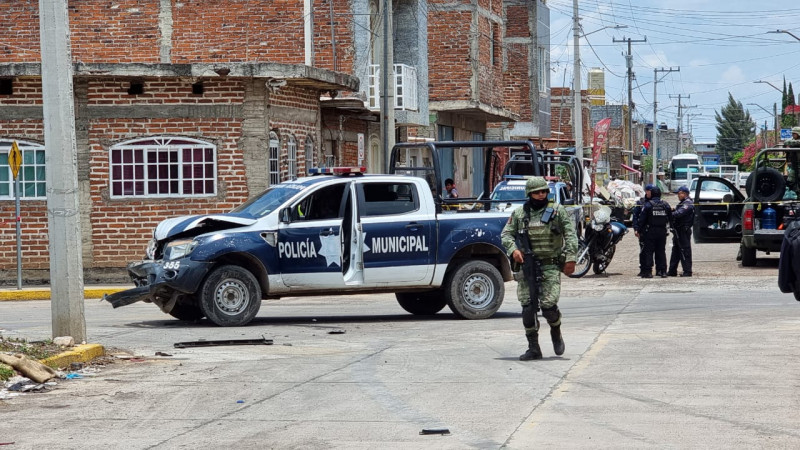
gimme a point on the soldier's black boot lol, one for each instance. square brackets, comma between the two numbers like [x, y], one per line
[533, 352]
[558, 342]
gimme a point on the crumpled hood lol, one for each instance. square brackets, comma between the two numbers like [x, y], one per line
[178, 225]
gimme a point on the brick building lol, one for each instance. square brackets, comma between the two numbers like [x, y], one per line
[190, 107]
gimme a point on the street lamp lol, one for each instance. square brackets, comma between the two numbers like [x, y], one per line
[762, 108]
[785, 32]
[774, 115]
[773, 86]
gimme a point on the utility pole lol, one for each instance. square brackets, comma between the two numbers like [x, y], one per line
[577, 114]
[655, 118]
[61, 167]
[629, 63]
[775, 116]
[387, 84]
[680, 121]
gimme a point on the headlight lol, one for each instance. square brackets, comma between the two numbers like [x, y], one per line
[179, 249]
[150, 253]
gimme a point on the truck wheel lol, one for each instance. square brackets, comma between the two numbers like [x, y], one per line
[474, 290]
[187, 312]
[768, 186]
[230, 296]
[422, 303]
[748, 257]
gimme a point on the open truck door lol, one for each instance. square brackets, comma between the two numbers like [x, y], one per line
[718, 208]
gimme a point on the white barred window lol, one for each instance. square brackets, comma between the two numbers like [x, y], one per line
[31, 172]
[163, 167]
[309, 150]
[274, 152]
[291, 147]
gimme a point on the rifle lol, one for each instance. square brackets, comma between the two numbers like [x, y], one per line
[531, 267]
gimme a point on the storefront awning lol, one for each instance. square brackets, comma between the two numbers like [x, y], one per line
[629, 168]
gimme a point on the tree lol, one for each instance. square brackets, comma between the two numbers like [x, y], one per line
[735, 128]
[789, 120]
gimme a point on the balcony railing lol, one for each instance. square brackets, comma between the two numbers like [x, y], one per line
[405, 87]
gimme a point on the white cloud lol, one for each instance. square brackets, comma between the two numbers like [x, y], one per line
[733, 75]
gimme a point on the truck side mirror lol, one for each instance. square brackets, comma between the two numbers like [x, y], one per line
[284, 215]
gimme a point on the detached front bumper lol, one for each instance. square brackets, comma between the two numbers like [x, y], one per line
[160, 282]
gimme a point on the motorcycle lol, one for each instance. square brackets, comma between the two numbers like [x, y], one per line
[596, 249]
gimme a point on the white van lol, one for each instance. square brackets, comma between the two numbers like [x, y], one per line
[742, 181]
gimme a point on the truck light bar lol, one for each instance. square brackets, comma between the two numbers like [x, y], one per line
[337, 170]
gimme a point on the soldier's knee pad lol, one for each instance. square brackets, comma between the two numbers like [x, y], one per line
[552, 314]
[529, 319]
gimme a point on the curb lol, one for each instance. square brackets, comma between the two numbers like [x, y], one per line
[44, 294]
[80, 353]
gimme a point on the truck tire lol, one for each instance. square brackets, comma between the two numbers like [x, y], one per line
[748, 256]
[422, 303]
[230, 296]
[187, 312]
[768, 186]
[474, 290]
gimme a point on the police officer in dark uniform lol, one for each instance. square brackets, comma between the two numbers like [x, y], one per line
[682, 220]
[637, 211]
[654, 220]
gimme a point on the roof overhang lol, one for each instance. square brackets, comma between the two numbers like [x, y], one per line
[475, 110]
[293, 74]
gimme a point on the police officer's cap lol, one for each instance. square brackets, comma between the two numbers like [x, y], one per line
[649, 187]
[682, 189]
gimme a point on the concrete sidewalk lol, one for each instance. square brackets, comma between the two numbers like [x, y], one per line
[9, 293]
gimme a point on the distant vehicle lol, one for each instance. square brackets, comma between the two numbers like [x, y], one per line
[512, 191]
[742, 181]
[711, 191]
[679, 170]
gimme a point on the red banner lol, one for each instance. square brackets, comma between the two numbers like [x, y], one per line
[600, 133]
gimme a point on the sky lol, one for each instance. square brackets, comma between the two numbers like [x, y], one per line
[720, 46]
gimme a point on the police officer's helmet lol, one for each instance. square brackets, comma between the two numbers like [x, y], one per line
[535, 184]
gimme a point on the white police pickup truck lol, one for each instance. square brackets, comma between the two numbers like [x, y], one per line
[340, 233]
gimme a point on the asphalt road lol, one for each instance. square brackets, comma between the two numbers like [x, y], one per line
[706, 362]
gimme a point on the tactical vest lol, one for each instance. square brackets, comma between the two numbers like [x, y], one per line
[544, 242]
[658, 215]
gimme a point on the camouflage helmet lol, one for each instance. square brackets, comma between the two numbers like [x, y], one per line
[795, 130]
[535, 184]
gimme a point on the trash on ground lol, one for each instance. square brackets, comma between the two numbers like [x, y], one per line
[162, 354]
[440, 431]
[28, 367]
[224, 342]
[337, 331]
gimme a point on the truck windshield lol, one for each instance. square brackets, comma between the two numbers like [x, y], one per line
[268, 201]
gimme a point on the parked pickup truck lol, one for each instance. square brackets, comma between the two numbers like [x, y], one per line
[772, 190]
[339, 233]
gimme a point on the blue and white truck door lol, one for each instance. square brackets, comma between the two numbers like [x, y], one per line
[352, 240]
[309, 247]
[398, 230]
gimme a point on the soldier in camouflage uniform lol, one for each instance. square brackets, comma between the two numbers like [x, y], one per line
[552, 242]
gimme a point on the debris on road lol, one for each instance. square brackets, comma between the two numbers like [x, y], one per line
[224, 342]
[337, 331]
[439, 431]
[30, 368]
